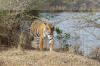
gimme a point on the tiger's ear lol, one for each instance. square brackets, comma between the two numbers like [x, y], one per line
[52, 26]
[45, 23]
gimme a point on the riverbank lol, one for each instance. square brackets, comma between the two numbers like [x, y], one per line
[14, 57]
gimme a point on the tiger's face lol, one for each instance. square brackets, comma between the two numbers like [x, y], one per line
[49, 28]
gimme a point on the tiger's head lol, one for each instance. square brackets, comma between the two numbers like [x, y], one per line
[48, 30]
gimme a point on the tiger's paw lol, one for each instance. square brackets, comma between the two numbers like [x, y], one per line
[51, 50]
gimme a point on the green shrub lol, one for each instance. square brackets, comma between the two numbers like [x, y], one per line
[62, 38]
[67, 35]
[58, 31]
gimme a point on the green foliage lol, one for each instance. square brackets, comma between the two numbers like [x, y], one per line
[62, 38]
[60, 34]
[67, 35]
[59, 37]
[58, 31]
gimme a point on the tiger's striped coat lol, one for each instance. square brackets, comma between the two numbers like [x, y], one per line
[42, 29]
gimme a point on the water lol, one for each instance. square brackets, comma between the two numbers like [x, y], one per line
[82, 31]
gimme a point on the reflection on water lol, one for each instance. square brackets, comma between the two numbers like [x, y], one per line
[83, 31]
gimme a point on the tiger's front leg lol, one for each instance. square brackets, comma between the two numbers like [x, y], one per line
[51, 45]
[41, 43]
[51, 42]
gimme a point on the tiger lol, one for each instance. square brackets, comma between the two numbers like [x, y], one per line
[42, 29]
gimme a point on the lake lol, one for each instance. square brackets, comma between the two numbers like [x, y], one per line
[83, 31]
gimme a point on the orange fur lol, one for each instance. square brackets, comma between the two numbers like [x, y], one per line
[39, 26]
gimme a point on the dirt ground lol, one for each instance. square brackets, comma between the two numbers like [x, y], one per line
[15, 57]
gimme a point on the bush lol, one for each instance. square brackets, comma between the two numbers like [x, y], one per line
[13, 26]
[58, 31]
[62, 38]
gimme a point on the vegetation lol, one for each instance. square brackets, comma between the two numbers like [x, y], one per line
[62, 38]
[15, 19]
[95, 54]
[74, 5]
[37, 58]
[63, 41]
[13, 26]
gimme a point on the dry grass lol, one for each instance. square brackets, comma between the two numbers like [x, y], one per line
[14, 57]
[95, 54]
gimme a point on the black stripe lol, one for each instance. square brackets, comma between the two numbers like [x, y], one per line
[36, 33]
